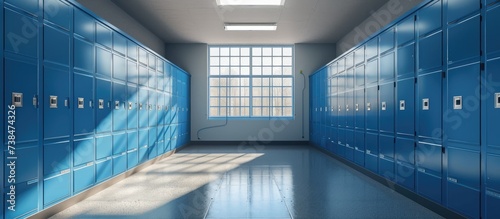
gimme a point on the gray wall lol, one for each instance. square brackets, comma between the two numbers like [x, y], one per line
[378, 19]
[193, 58]
[120, 19]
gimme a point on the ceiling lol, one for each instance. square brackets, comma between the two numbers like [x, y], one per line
[202, 21]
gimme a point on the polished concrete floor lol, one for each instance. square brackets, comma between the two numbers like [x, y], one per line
[251, 182]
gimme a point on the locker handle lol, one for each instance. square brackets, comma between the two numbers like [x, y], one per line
[402, 105]
[129, 105]
[425, 104]
[109, 104]
[17, 99]
[35, 101]
[81, 102]
[91, 104]
[457, 102]
[53, 102]
[66, 103]
[497, 100]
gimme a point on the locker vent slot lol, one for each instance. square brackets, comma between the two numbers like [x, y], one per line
[384, 106]
[101, 104]
[497, 100]
[117, 105]
[53, 102]
[17, 99]
[457, 102]
[425, 104]
[402, 105]
[81, 102]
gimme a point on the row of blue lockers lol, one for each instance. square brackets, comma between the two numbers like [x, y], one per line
[419, 103]
[91, 102]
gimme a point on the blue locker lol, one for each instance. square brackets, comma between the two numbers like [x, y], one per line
[120, 143]
[58, 12]
[56, 188]
[492, 203]
[492, 31]
[350, 109]
[359, 148]
[83, 178]
[143, 56]
[83, 56]
[103, 147]
[168, 136]
[430, 53]
[332, 145]
[462, 118]
[349, 145]
[56, 46]
[359, 55]
[428, 159]
[120, 103]
[152, 108]
[335, 104]
[132, 158]
[341, 136]
[160, 66]
[429, 19]
[143, 75]
[104, 35]
[132, 140]
[132, 104]
[16, 26]
[132, 72]
[83, 151]
[103, 170]
[28, 193]
[341, 110]
[27, 114]
[492, 175]
[84, 26]
[103, 106]
[405, 162]
[405, 31]
[83, 95]
[152, 142]
[349, 60]
[429, 110]
[57, 110]
[104, 61]
[350, 78]
[387, 40]
[386, 157]
[371, 157]
[457, 9]
[341, 65]
[119, 68]
[371, 50]
[360, 76]
[161, 139]
[359, 108]
[56, 157]
[371, 109]
[386, 106]
[371, 72]
[463, 179]
[151, 79]
[387, 67]
[120, 163]
[152, 61]
[464, 40]
[406, 62]
[31, 6]
[143, 145]
[159, 81]
[405, 108]
[119, 43]
[132, 50]
[341, 82]
[492, 105]
[24, 170]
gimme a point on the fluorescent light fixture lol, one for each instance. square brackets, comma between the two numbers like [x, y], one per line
[250, 27]
[250, 2]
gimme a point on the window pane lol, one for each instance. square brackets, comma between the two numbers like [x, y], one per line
[234, 82]
[265, 91]
[224, 61]
[277, 82]
[257, 101]
[214, 61]
[287, 61]
[235, 71]
[224, 51]
[214, 82]
[265, 102]
[256, 51]
[245, 111]
[224, 70]
[214, 71]
[214, 111]
[257, 71]
[214, 101]
[287, 51]
[257, 82]
[276, 61]
[257, 61]
[277, 51]
[245, 92]
[245, 101]
[245, 82]
[214, 51]
[265, 111]
[214, 91]
[245, 61]
[267, 51]
[245, 71]
[266, 71]
[235, 51]
[235, 61]
[287, 101]
[287, 82]
[245, 51]
[287, 71]
[287, 111]
[267, 61]
[277, 71]
[287, 92]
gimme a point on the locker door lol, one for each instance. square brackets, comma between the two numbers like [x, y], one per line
[57, 110]
[132, 50]
[371, 72]
[341, 110]
[405, 108]
[386, 157]
[143, 75]
[406, 61]
[349, 145]
[84, 25]
[152, 142]
[119, 43]
[132, 147]
[83, 98]
[349, 109]
[492, 33]
[151, 79]
[359, 148]
[103, 106]
[83, 56]
[360, 76]
[104, 61]
[120, 143]
[143, 107]
[458, 9]
[406, 31]
[83, 177]
[335, 103]
[143, 145]
[387, 67]
[371, 157]
[341, 150]
[359, 55]
[120, 92]
[161, 109]
[430, 53]
[429, 18]
[429, 106]
[387, 40]
[120, 68]
[132, 72]
[359, 109]
[464, 40]
[132, 104]
[429, 170]
[405, 162]
[350, 78]
[386, 107]
[152, 108]
[371, 49]
[371, 109]
[56, 169]
[104, 35]
[83, 151]
[103, 147]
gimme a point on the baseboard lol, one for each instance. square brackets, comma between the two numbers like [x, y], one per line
[236, 143]
[431, 205]
[53, 210]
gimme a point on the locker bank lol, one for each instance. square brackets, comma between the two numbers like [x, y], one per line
[250, 109]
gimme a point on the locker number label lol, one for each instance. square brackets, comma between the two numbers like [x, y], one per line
[11, 158]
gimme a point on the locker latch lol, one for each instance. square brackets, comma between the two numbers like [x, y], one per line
[158, 107]
[81, 103]
[321, 109]
[91, 104]
[457, 102]
[129, 105]
[357, 107]
[101, 104]
[425, 104]
[384, 106]
[347, 107]
[117, 105]
[340, 108]
[53, 102]
[17, 99]
[402, 105]
[66, 102]
[497, 100]
[166, 108]
[140, 106]
[150, 107]
[35, 101]
[368, 106]
[326, 109]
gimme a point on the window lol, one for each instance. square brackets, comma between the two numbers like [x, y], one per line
[250, 81]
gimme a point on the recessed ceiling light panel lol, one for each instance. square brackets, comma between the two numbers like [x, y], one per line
[250, 2]
[250, 27]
